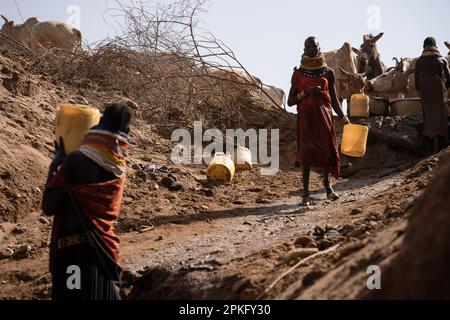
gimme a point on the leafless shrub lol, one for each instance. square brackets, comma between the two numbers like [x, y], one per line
[178, 71]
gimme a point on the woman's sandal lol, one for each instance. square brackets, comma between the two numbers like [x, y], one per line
[331, 194]
[306, 200]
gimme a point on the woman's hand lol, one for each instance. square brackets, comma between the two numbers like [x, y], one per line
[345, 120]
[59, 154]
[312, 91]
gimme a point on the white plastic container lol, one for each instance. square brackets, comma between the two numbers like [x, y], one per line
[243, 158]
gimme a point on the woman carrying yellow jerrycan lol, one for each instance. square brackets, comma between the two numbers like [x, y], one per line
[84, 193]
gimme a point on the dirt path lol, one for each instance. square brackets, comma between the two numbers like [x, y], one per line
[229, 235]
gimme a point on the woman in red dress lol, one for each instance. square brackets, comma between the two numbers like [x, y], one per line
[313, 91]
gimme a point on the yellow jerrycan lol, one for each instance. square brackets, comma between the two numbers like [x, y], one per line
[221, 168]
[359, 106]
[354, 140]
[72, 122]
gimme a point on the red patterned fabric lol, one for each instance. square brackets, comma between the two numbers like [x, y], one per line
[317, 146]
[100, 204]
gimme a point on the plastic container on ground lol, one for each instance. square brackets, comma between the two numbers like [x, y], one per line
[221, 168]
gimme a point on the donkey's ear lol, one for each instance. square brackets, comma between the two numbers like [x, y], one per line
[377, 37]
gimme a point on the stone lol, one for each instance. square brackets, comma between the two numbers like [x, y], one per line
[6, 253]
[45, 243]
[208, 193]
[147, 159]
[19, 230]
[238, 201]
[356, 211]
[22, 251]
[167, 182]
[176, 187]
[422, 185]
[312, 277]
[44, 220]
[127, 200]
[153, 187]
[304, 241]
[261, 200]
[324, 244]
[135, 166]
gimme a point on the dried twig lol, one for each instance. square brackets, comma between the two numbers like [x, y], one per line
[277, 280]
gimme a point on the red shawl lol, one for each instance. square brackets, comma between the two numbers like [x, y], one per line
[317, 146]
[100, 204]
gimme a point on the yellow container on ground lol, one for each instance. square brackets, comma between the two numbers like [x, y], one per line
[354, 140]
[221, 168]
[243, 159]
[73, 122]
[359, 106]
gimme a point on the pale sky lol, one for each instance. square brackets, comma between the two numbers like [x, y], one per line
[267, 35]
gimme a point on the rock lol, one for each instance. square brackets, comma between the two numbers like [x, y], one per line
[203, 172]
[391, 208]
[176, 187]
[19, 230]
[160, 238]
[208, 193]
[135, 166]
[6, 175]
[373, 224]
[357, 232]
[167, 182]
[356, 211]
[22, 251]
[422, 185]
[23, 276]
[147, 159]
[332, 234]
[204, 208]
[246, 223]
[130, 277]
[300, 253]
[44, 220]
[153, 187]
[261, 200]
[347, 228]
[304, 241]
[324, 244]
[127, 200]
[45, 243]
[6, 253]
[312, 277]
[238, 201]
[408, 204]
[394, 211]
[131, 104]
